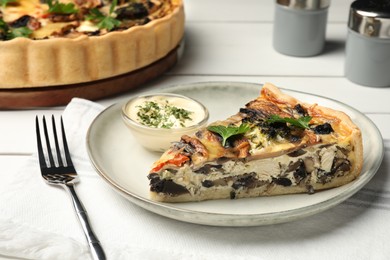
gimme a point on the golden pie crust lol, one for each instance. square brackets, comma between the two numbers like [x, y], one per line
[27, 63]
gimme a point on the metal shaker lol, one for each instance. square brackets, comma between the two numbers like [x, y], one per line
[300, 27]
[368, 44]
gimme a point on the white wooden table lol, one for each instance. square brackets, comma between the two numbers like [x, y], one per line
[230, 40]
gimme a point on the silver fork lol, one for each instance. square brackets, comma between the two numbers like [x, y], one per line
[64, 174]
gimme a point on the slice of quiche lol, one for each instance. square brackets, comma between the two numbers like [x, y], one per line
[274, 145]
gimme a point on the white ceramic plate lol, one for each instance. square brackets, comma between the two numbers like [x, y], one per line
[124, 164]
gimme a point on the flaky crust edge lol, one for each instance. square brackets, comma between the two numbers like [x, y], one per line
[28, 63]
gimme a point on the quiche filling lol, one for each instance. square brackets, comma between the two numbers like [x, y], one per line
[303, 167]
[272, 146]
[46, 19]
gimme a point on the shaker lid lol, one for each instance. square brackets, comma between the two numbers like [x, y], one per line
[304, 4]
[370, 18]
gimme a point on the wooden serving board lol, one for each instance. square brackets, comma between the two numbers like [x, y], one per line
[61, 95]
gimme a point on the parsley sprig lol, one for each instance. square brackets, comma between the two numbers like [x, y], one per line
[9, 33]
[19, 32]
[104, 21]
[228, 131]
[302, 122]
[56, 7]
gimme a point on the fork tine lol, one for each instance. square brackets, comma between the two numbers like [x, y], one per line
[66, 176]
[59, 157]
[41, 155]
[48, 146]
[66, 149]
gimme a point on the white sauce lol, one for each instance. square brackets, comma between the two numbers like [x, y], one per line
[196, 115]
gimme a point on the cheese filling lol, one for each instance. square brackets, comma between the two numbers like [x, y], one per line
[305, 167]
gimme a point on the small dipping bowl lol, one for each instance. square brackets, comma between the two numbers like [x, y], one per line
[159, 139]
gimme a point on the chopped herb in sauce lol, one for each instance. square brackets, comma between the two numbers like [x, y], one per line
[162, 115]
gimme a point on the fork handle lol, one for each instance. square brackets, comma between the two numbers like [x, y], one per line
[93, 242]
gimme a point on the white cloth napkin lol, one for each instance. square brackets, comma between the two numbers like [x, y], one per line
[37, 221]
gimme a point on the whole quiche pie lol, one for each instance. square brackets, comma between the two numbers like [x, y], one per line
[60, 42]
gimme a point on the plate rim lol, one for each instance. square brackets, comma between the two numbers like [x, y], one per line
[261, 218]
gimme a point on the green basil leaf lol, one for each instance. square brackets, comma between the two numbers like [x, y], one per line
[104, 21]
[61, 8]
[19, 32]
[228, 131]
[302, 122]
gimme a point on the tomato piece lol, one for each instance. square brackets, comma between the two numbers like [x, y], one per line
[45, 15]
[177, 160]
